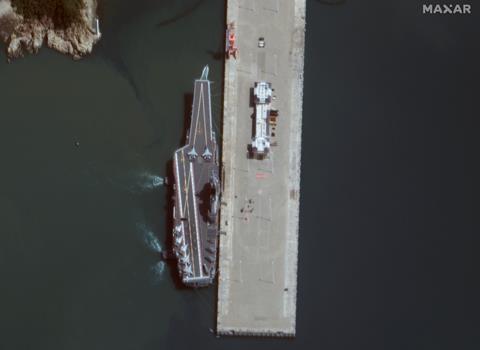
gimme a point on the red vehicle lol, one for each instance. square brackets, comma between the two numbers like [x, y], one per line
[231, 48]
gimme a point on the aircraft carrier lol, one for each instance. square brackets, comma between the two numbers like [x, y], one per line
[197, 190]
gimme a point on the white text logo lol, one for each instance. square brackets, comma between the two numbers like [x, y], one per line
[444, 9]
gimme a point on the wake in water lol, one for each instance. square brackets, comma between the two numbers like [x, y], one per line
[149, 238]
[157, 272]
[137, 183]
[149, 181]
[141, 182]
[152, 242]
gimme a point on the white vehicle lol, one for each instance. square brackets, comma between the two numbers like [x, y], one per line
[262, 93]
[261, 42]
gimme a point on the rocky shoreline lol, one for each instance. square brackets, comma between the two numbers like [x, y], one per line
[24, 34]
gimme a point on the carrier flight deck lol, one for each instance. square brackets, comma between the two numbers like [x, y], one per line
[195, 231]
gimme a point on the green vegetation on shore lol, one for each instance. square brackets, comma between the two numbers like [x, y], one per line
[62, 12]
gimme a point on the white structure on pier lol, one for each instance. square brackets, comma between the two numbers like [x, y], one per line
[263, 97]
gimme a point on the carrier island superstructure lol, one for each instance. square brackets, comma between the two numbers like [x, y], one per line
[196, 187]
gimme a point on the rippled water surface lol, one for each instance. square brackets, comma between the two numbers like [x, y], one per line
[82, 210]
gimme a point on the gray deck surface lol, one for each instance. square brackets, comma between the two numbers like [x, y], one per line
[192, 179]
[260, 200]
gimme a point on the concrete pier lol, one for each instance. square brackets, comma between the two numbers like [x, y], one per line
[260, 201]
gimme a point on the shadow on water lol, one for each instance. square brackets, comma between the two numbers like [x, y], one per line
[332, 2]
[220, 54]
[187, 100]
[111, 53]
[110, 47]
[217, 55]
[180, 15]
[187, 115]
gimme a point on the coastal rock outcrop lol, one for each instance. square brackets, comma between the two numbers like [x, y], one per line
[68, 26]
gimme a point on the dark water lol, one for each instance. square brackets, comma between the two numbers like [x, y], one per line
[387, 213]
[82, 227]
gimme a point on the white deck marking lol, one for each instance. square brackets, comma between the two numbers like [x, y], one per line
[198, 113]
[196, 223]
[204, 121]
[187, 208]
